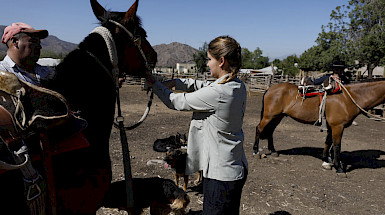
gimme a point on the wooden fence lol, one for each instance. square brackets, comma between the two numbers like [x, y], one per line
[260, 83]
[254, 83]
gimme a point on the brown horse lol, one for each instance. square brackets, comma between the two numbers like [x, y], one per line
[282, 100]
[88, 80]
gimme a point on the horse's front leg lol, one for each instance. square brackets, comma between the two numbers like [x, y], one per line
[337, 136]
[327, 160]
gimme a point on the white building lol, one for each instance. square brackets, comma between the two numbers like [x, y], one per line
[264, 71]
[186, 68]
[377, 71]
[48, 61]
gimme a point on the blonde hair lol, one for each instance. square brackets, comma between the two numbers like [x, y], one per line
[229, 48]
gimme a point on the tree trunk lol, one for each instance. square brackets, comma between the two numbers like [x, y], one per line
[370, 71]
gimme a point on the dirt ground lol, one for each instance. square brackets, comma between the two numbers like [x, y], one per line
[293, 183]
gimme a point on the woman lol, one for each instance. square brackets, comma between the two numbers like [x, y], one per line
[215, 143]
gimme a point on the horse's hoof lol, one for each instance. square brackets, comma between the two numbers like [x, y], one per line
[327, 165]
[341, 173]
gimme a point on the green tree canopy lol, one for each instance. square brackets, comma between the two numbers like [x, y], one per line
[356, 33]
[366, 32]
[289, 65]
[200, 58]
[254, 60]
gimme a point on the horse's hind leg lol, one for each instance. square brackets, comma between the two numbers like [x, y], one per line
[265, 130]
[258, 132]
[256, 142]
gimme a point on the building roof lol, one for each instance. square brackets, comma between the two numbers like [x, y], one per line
[48, 62]
[264, 71]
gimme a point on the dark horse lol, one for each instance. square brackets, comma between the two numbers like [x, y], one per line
[85, 79]
[283, 100]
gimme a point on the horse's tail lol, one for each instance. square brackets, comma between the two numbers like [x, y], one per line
[270, 126]
[263, 104]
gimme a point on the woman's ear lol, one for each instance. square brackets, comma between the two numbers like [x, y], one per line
[221, 62]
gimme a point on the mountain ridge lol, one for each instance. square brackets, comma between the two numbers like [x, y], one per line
[168, 54]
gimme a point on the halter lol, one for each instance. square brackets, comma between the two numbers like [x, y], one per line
[137, 42]
[107, 36]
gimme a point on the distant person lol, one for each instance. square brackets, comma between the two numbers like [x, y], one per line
[338, 74]
[215, 142]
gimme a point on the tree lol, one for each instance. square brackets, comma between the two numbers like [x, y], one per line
[254, 60]
[331, 48]
[356, 33]
[310, 59]
[247, 59]
[289, 65]
[277, 63]
[200, 58]
[367, 33]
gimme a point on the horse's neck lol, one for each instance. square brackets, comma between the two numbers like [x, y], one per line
[83, 71]
[368, 95]
[95, 45]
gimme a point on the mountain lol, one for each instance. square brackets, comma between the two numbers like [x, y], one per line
[170, 54]
[50, 43]
[56, 45]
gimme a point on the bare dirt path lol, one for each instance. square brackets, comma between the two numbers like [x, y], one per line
[293, 183]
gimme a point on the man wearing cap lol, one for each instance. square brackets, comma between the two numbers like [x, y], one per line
[23, 43]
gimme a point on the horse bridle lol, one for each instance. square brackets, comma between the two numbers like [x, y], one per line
[137, 42]
[107, 36]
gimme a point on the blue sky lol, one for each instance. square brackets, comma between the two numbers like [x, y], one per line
[278, 27]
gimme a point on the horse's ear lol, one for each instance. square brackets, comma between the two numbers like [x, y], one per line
[99, 11]
[131, 13]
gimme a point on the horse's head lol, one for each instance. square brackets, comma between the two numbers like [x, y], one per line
[135, 53]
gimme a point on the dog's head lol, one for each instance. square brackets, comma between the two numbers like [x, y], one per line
[173, 156]
[179, 205]
[181, 139]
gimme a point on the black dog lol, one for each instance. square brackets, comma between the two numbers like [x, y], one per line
[174, 142]
[161, 195]
[176, 159]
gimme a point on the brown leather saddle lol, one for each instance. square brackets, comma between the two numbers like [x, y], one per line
[27, 110]
[307, 88]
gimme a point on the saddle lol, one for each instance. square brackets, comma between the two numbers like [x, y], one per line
[307, 88]
[27, 110]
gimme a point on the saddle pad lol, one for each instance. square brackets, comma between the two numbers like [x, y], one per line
[321, 93]
[74, 142]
